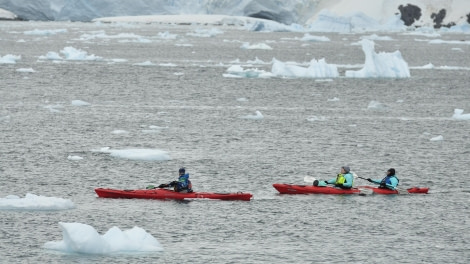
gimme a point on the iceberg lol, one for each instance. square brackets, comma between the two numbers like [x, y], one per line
[380, 65]
[84, 239]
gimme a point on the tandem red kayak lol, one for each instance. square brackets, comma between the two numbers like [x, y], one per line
[309, 189]
[163, 194]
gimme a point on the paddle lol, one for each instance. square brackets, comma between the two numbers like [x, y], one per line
[309, 179]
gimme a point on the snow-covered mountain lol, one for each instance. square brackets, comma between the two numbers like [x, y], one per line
[413, 12]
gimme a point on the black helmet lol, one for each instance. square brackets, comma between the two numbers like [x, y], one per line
[182, 170]
[392, 171]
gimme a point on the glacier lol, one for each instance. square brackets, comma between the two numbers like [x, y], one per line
[419, 13]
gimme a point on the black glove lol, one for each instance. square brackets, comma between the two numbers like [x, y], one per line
[369, 179]
[162, 185]
[326, 182]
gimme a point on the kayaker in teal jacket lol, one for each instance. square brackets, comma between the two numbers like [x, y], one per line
[183, 184]
[390, 181]
[343, 180]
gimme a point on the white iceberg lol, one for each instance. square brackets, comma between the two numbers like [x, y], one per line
[84, 239]
[35, 203]
[459, 115]
[380, 65]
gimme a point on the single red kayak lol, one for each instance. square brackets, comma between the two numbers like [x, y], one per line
[308, 189]
[169, 194]
[388, 191]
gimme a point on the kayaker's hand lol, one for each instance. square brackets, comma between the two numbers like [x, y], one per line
[326, 182]
[162, 186]
[369, 179]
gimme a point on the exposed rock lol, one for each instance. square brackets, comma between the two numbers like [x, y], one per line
[409, 13]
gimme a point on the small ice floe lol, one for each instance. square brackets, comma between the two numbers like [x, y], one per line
[242, 99]
[47, 32]
[308, 37]
[316, 118]
[205, 33]
[74, 54]
[137, 154]
[54, 108]
[258, 116]
[35, 203]
[335, 99]
[438, 138]
[376, 105]
[9, 59]
[167, 35]
[145, 63]
[74, 158]
[259, 46]
[84, 239]
[236, 71]
[459, 115]
[119, 132]
[316, 69]
[25, 70]
[80, 103]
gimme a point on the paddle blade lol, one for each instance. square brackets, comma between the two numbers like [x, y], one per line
[309, 179]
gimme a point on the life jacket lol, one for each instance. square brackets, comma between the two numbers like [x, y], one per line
[340, 179]
[386, 180]
[183, 184]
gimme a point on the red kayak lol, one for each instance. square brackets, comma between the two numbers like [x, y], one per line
[388, 191]
[308, 189]
[169, 194]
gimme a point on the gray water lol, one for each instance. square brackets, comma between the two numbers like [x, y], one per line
[225, 153]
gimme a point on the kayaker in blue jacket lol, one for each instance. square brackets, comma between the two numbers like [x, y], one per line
[343, 180]
[183, 184]
[390, 181]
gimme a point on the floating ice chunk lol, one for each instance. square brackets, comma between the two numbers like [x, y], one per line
[259, 46]
[205, 33]
[35, 202]
[257, 116]
[316, 118]
[137, 154]
[74, 158]
[335, 99]
[376, 105]
[380, 65]
[9, 59]
[438, 138]
[317, 69]
[168, 64]
[84, 239]
[459, 115]
[236, 71]
[51, 55]
[145, 63]
[308, 37]
[25, 70]
[47, 32]
[72, 53]
[80, 103]
[167, 35]
[120, 132]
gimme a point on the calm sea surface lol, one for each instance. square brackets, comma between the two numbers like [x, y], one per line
[185, 93]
